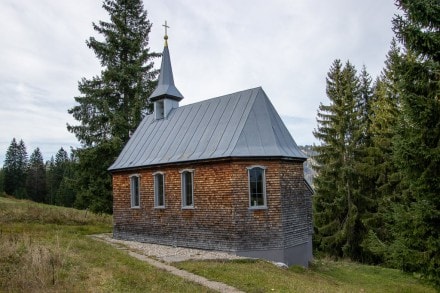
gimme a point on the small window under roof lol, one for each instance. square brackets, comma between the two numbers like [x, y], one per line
[159, 109]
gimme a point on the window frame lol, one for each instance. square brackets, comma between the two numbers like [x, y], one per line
[133, 194]
[264, 193]
[183, 188]
[156, 189]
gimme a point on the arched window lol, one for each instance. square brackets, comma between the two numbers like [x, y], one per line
[135, 190]
[159, 189]
[187, 188]
[257, 186]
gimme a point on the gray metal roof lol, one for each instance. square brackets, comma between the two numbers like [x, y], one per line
[242, 124]
[165, 85]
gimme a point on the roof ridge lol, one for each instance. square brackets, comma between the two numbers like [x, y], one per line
[222, 96]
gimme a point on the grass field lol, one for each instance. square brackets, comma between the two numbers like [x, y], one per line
[46, 249]
[323, 276]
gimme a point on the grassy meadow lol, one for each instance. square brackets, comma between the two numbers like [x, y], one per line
[323, 276]
[46, 249]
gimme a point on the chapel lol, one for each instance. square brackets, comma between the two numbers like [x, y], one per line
[221, 174]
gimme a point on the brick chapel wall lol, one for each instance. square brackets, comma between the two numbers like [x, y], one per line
[221, 218]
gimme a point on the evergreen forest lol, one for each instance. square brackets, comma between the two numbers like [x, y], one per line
[377, 189]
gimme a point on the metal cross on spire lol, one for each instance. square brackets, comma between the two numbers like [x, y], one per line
[166, 33]
[166, 27]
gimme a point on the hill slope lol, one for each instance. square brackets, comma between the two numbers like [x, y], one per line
[46, 249]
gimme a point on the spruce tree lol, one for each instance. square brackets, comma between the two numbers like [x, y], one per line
[59, 168]
[65, 179]
[417, 141]
[36, 177]
[15, 166]
[364, 165]
[112, 105]
[23, 164]
[385, 110]
[50, 181]
[11, 168]
[364, 140]
[66, 193]
[337, 201]
[379, 158]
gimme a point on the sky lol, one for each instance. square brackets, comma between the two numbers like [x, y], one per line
[216, 48]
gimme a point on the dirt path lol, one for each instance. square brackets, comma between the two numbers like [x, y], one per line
[177, 254]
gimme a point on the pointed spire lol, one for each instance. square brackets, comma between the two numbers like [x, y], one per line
[165, 86]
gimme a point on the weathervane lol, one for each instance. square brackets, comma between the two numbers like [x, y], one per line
[166, 35]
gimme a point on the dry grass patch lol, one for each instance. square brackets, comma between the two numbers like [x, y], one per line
[46, 249]
[28, 265]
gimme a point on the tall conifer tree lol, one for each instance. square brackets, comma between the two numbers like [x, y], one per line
[417, 141]
[366, 201]
[36, 177]
[364, 140]
[11, 168]
[112, 105]
[337, 202]
[65, 179]
[379, 160]
[59, 167]
[50, 181]
[15, 166]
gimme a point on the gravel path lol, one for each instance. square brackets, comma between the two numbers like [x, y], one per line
[167, 254]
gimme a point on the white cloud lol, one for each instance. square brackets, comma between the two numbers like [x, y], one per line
[217, 47]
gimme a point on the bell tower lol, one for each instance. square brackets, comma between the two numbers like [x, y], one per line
[166, 96]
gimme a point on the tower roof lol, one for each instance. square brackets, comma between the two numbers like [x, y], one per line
[165, 86]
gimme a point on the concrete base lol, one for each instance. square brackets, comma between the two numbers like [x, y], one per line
[300, 254]
[296, 255]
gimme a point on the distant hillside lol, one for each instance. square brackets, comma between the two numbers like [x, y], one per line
[309, 173]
